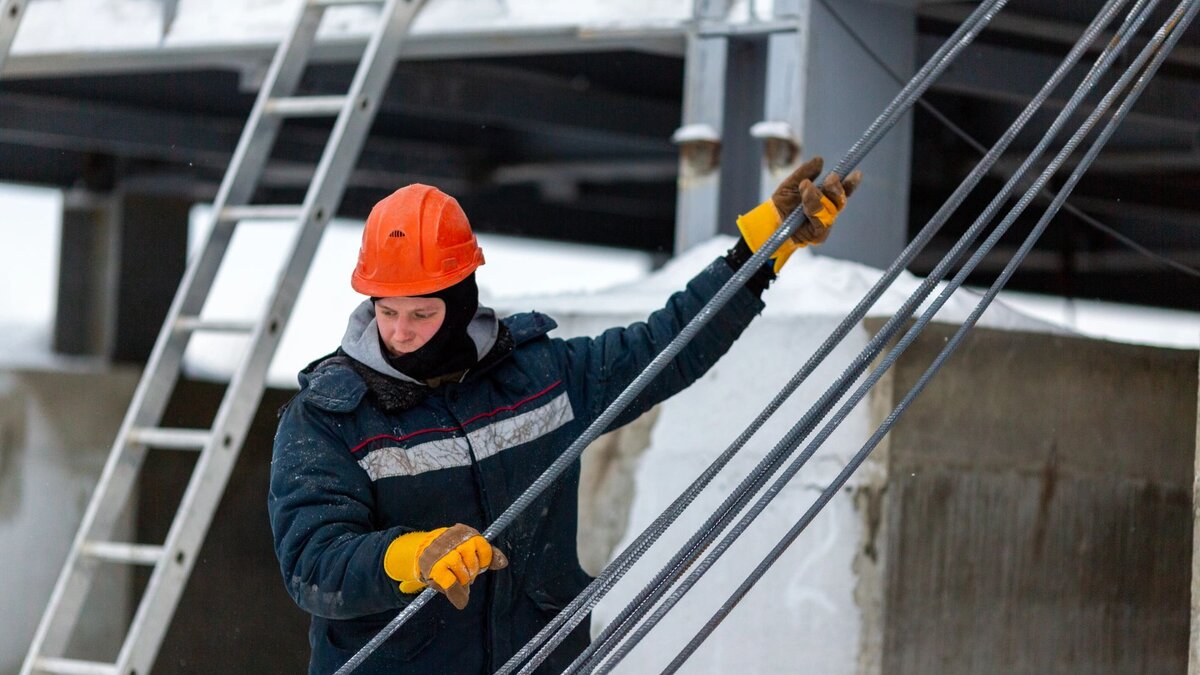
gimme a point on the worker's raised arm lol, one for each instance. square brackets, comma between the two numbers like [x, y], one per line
[603, 366]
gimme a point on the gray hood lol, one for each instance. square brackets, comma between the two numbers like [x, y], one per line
[361, 341]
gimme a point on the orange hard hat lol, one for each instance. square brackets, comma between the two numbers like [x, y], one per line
[417, 240]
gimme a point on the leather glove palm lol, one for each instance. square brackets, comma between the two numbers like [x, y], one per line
[821, 207]
[448, 558]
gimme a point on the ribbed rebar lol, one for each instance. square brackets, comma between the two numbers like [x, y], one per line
[699, 541]
[861, 392]
[916, 86]
[859, 457]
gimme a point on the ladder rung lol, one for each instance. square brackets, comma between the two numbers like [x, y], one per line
[305, 106]
[170, 439]
[131, 554]
[47, 664]
[195, 323]
[264, 211]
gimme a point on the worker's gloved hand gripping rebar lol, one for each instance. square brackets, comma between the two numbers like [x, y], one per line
[821, 206]
[448, 558]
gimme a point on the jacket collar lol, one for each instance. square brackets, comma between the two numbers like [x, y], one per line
[361, 339]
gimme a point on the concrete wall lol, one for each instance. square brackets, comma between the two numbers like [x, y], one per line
[55, 433]
[804, 616]
[1038, 508]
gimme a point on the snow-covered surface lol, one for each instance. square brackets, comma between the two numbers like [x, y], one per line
[1111, 321]
[29, 224]
[72, 26]
[811, 285]
[81, 25]
[803, 616]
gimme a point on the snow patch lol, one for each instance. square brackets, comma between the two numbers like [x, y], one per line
[81, 25]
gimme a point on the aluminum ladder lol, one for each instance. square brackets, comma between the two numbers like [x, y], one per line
[217, 446]
[11, 12]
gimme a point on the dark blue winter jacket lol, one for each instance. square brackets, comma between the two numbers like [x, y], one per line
[348, 477]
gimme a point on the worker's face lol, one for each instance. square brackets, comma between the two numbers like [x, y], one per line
[406, 324]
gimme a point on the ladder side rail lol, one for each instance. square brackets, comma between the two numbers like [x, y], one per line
[253, 149]
[245, 392]
[165, 362]
[11, 12]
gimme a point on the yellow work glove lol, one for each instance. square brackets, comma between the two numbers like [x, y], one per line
[449, 558]
[821, 206]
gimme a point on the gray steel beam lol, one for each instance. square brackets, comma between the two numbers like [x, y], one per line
[741, 152]
[1147, 223]
[524, 100]
[587, 171]
[846, 90]
[479, 94]
[640, 224]
[699, 137]
[66, 124]
[1039, 28]
[1114, 261]
[783, 108]
[73, 125]
[699, 140]
[1014, 75]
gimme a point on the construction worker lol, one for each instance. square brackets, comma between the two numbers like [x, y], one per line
[435, 415]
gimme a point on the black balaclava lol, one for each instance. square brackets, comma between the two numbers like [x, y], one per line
[450, 350]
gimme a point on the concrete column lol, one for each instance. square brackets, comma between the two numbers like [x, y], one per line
[87, 272]
[784, 96]
[1037, 507]
[153, 255]
[121, 259]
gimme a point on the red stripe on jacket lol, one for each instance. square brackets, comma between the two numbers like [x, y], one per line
[461, 427]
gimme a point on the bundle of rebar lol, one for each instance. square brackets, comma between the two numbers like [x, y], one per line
[632, 624]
